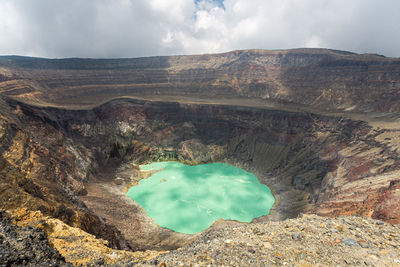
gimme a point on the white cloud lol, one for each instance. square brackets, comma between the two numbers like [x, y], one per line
[131, 28]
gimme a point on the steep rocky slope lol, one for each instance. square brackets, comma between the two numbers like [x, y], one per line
[319, 127]
[25, 246]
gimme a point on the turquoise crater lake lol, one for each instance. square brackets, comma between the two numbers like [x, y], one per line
[188, 199]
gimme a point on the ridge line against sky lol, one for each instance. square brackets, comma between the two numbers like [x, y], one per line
[136, 28]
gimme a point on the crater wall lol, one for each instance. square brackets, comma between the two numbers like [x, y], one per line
[326, 165]
[328, 80]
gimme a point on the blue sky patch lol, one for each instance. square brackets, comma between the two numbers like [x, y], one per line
[219, 3]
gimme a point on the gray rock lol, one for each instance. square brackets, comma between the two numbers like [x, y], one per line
[363, 245]
[350, 242]
[298, 236]
[119, 181]
[299, 183]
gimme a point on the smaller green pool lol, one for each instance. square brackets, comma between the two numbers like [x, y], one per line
[188, 199]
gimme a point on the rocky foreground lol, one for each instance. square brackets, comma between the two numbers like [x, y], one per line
[309, 240]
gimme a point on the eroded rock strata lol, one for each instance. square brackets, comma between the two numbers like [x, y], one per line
[324, 79]
[313, 125]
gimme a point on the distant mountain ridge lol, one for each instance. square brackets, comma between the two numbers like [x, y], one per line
[319, 79]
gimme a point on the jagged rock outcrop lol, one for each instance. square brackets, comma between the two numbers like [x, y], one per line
[75, 245]
[25, 246]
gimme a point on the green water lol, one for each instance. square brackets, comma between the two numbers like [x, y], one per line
[188, 199]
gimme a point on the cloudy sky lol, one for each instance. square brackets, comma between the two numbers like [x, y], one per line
[133, 28]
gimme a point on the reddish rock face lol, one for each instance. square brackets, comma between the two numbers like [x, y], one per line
[389, 209]
[284, 115]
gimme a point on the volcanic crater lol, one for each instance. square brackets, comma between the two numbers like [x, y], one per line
[319, 127]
